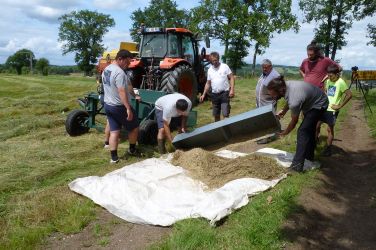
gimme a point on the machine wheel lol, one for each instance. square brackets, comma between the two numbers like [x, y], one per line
[135, 76]
[181, 79]
[76, 123]
[148, 132]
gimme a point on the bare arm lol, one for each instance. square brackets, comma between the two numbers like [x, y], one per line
[301, 73]
[348, 96]
[282, 113]
[206, 89]
[184, 123]
[291, 126]
[124, 99]
[232, 84]
[167, 131]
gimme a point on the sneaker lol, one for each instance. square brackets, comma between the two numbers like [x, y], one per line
[327, 151]
[114, 161]
[296, 167]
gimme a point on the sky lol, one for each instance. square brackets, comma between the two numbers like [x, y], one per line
[33, 24]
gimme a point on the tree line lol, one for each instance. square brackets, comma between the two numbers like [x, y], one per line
[239, 25]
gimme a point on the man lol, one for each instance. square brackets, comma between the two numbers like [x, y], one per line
[117, 103]
[167, 108]
[313, 68]
[300, 97]
[338, 95]
[222, 82]
[262, 95]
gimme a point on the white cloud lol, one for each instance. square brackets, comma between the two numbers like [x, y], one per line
[42, 10]
[113, 4]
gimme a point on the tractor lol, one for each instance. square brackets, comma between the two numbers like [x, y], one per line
[168, 61]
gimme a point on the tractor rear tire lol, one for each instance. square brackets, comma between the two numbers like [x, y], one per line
[76, 123]
[181, 79]
[148, 132]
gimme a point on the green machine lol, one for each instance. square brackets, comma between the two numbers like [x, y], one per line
[80, 121]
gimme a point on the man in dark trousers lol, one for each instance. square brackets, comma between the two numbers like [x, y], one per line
[312, 102]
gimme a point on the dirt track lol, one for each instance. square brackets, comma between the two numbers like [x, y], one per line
[339, 214]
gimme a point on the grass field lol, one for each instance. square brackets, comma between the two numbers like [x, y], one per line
[38, 160]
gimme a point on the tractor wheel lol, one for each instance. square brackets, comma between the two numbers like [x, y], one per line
[76, 123]
[148, 132]
[135, 76]
[181, 79]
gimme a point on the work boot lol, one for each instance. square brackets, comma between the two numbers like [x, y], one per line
[161, 146]
[296, 167]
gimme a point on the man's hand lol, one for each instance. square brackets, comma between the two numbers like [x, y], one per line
[281, 134]
[280, 114]
[335, 106]
[202, 97]
[138, 98]
[130, 115]
[231, 94]
[182, 130]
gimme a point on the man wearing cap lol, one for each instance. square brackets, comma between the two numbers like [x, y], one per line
[117, 103]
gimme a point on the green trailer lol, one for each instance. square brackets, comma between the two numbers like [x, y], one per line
[81, 121]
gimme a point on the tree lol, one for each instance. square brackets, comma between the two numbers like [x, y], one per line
[82, 32]
[22, 58]
[223, 20]
[368, 8]
[42, 66]
[266, 18]
[159, 13]
[371, 29]
[334, 17]
[238, 50]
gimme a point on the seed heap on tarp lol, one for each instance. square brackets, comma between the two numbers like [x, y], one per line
[215, 171]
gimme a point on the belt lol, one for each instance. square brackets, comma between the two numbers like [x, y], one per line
[220, 92]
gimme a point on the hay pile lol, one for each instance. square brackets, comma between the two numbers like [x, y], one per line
[216, 171]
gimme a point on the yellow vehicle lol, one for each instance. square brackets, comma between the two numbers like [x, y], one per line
[109, 56]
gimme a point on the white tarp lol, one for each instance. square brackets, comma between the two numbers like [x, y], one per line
[156, 192]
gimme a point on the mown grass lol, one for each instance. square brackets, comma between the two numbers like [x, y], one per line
[38, 160]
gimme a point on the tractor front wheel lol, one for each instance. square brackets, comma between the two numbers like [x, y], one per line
[181, 79]
[148, 132]
[76, 123]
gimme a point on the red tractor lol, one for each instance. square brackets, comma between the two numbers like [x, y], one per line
[169, 60]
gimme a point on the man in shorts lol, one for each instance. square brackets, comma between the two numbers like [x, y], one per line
[171, 111]
[222, 82]
[117, 104]
[338, 94]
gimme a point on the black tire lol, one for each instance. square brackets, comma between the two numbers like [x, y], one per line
[148, 132]
[181, 79]
[76, 123]
[135, 76]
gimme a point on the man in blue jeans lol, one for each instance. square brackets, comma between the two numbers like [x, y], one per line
[312, 102]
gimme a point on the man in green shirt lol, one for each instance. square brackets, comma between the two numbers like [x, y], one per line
[338, 94]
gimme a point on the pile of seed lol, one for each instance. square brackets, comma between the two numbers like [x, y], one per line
[215, 171]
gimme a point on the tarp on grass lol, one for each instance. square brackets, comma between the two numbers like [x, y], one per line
[155, 192]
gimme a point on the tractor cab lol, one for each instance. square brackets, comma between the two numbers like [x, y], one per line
[169, 60]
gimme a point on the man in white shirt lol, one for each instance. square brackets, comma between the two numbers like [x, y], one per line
[222, 82]
[167, 108]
